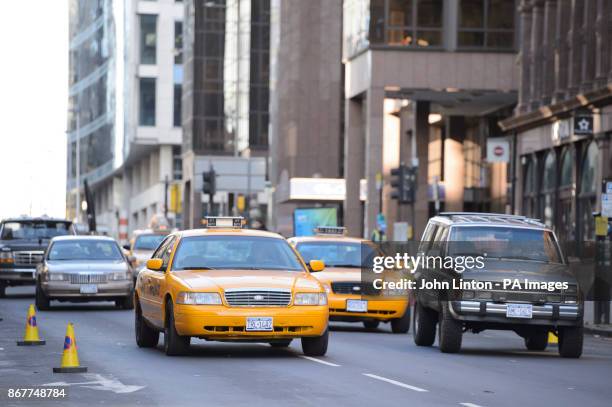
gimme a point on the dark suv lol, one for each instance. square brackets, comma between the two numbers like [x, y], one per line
[23, 242]
[522, 283]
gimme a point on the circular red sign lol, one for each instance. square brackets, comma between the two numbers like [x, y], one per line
[498, 150]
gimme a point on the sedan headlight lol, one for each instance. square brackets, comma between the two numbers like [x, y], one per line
[310, 299]
[117, 276]
[185, 297]
[57, 276]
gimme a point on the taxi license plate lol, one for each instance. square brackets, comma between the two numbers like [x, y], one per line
[519, 311]
[259, 324]
[356, 306]
[89, 289]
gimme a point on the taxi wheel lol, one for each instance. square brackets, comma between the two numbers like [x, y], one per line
[42, 301]
[146, 337]
[537, 341]
[450, 333]
[281, 344]
[174, 344]
[371, 324]
[401, 325]
[424, 325]
[316, 346]
[570, 341]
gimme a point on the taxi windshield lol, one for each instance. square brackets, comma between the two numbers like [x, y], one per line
[235, 252]
[148, 242]
[335, 254]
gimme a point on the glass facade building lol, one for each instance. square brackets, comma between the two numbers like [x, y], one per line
[226, 61]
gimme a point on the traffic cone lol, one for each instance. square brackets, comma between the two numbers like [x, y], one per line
[552, 338]
[70, 358]
[31, 337]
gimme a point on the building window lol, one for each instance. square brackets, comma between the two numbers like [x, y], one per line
[549, 183]
[148, 39]
[177, 163]
[414, 23]
[178, 93]
[588, 192]
[486, 24]
[147, 102]
[178, 43]
[530, 188]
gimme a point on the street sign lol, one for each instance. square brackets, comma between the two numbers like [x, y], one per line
[606, 205]
[498, 150]
[608, 187]
[583, 125]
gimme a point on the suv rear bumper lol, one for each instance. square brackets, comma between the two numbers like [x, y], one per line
[544, 314]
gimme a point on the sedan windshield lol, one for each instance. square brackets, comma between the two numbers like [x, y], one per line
[85, 250]
[34, 230]
[235, 252]
[335, 254]
[148, 242]
[504, 243]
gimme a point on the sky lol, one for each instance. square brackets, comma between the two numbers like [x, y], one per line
[33, 103]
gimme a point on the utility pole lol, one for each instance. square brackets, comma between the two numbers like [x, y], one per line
[166, 196]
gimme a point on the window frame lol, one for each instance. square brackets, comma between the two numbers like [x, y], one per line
[486, 30]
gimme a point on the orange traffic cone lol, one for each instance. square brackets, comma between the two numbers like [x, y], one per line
[70, 358]
[31, 332]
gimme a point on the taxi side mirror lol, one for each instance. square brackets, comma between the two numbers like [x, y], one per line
[316, 265]
[155, 264]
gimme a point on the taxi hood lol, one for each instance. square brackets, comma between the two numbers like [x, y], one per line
[202, 280]
[338, 274]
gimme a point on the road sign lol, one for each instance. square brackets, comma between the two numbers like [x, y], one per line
[606, 205]
[498, 150]
[583, 125]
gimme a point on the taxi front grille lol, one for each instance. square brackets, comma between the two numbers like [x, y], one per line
[257, 298]
[28, 258]
[87, 278]
[356, 287]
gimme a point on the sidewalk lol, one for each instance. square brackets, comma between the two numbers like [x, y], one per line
[601, 330]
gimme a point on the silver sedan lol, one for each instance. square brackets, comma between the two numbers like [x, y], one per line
[84, 268]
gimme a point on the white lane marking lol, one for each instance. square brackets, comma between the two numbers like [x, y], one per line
[469, 405]
[99, 382]
[395, 382]
[319, 361]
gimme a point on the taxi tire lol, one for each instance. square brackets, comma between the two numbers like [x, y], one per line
[401, 325]
[570, 341]
[537, 341]
[316, 346]
[146, 337]
[43, 303]
[423, 325]
[281, 344]
[371, 324]
[174, 344]
[450, 332]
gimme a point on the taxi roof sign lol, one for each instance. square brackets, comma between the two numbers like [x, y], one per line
[330, 230]
[235, 222]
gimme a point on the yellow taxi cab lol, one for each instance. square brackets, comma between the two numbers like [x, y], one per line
[227, 283]
[142, 245]
[351, 297]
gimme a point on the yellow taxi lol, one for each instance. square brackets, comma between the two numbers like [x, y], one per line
[142, 245]
[227, 283]
[351, 297]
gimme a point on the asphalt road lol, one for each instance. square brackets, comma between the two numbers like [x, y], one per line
[361, 368]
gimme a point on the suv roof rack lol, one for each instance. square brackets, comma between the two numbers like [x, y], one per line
[483, 217]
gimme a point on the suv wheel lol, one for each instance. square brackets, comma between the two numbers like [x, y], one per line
[537, 340]
[451, 332]
[401, 325]
[423, 325]
[570, 341]
[42, 301]
[174, 344]
[371, 324]
[126, 303]
[146, 337]
[316, 346]
[2, 290]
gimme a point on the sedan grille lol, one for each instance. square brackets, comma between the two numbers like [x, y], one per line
[28, 258]
[87, 278]
[356, 287]
[257, 298]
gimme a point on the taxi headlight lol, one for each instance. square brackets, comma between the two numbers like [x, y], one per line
[185, 297]
[117, 276]
[310, 299]
[57, 277]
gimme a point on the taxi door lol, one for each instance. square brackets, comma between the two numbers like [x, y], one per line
[150, 284]
[157, 284]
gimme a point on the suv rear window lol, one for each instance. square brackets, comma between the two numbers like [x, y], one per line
[17, 230]
[505, 243]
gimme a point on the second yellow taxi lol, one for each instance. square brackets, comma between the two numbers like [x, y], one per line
[351, 297]
[227, 283]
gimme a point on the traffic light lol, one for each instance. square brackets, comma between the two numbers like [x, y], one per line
[404, 183]
[209, 185]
